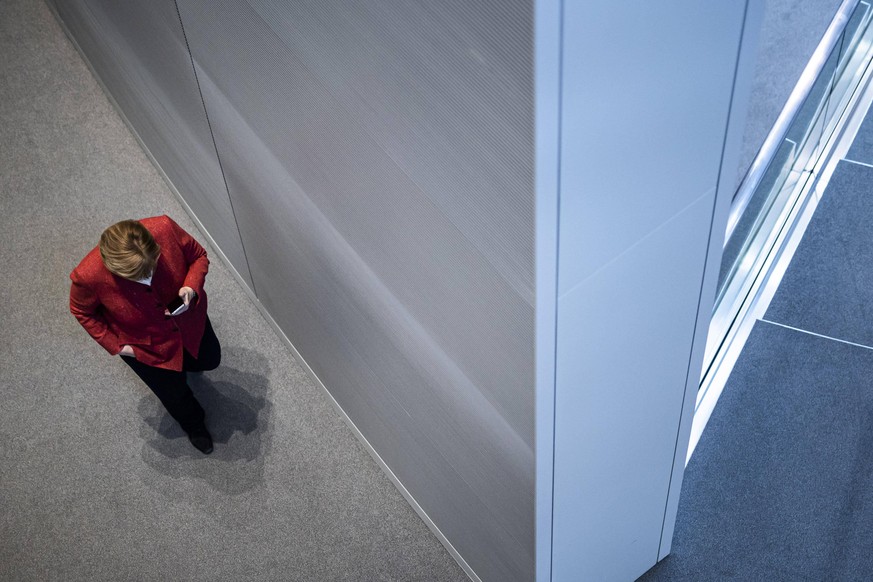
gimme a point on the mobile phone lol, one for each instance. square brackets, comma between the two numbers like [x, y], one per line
[175, 305]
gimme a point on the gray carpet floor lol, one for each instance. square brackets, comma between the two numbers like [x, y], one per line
[96, 481]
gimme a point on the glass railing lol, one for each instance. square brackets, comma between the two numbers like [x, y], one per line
[780, 180]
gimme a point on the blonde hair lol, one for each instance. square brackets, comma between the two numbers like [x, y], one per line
[129, 250]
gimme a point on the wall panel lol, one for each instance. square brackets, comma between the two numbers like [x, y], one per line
[379, 158]
[646, 96]
[139, 52]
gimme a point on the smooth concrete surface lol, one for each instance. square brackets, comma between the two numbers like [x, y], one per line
[748, 52]
[643, 124]
[646, 127]
[547, 51]
[616, 426]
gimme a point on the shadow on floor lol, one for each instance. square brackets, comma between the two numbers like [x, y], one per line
[238, 415]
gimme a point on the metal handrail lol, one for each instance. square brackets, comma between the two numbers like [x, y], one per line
[783, 123]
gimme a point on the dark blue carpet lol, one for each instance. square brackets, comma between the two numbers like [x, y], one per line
[862, 147]
[781, 484]
[828, 288]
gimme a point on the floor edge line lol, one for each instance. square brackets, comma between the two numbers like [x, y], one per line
[816, 334]
[866, 165]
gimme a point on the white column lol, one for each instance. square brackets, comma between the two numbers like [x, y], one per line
[650, 98]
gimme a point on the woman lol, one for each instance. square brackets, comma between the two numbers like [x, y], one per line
[120, 294]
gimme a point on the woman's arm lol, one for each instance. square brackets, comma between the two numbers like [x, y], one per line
[85, 307]
[195, 256]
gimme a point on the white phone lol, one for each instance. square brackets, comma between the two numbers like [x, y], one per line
[175, 305]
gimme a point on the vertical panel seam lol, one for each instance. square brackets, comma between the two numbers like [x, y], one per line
[703, 275]
[215, 147]
[557, 274]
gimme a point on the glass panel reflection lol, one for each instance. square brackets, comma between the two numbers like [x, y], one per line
[766, 199]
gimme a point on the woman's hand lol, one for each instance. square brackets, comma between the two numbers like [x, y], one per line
[126, 351]
[187, 294]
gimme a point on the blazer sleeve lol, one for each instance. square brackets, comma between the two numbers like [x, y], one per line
[85, 307]
[195, 256]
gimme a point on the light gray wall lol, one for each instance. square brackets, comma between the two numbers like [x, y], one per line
[740, 104]
[379, 157]
[379, 164]
[547, 114]
[646, 95]
[138, 51]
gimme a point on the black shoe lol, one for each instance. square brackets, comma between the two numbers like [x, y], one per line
[202, 440]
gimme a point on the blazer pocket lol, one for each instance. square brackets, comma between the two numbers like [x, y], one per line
[134, 340]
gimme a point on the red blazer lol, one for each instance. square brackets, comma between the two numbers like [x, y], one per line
[118, 312]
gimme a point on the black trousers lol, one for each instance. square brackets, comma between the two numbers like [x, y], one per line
[171, 387]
